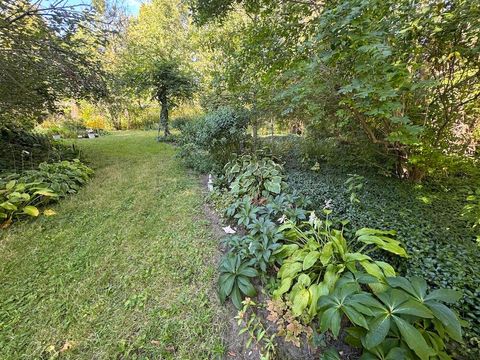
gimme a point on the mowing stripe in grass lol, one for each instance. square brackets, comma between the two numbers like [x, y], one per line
[124, 270]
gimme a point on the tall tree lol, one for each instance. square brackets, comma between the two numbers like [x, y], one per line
[169, 85]
[46, 54]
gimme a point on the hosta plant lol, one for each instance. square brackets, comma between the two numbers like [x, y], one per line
[254, 177]
[17, 199]
[316, 256]
[404, 321]
[24, 194]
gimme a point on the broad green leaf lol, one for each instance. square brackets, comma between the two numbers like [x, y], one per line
[226, 283]
[420, 286]
[401, 282]
[290, 270]
[355, 317]
[283, 288]
[316, 291]
[236, 297]
[331, 319]
[388, 269]
[414, 308]
[31, 210]
[246, 286]
[310, 259]
[326, 254]
[446, 295]
[8, 206]
[304, 280]
[368, 231]
[356, 257]
[379, 328]
[287, 250]
[448, 318]
[10, 185]
[414, 339]
[300, 302]
[248, 271]
[45, 192]
[330, 277]
[373, 269]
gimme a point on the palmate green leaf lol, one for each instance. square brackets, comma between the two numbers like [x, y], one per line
[446, 295]
[414, 308]
[379, 328]
[236, 297]
[354, 316]
[369, 301]
[420, 286]
[226, 283]
[401, 282]
[246, 286]
[331, 319]
[310, 259]
[247, 271]
[448, 318]
[413, 338]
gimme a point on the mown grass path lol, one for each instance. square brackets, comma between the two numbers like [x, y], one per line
[126, 268]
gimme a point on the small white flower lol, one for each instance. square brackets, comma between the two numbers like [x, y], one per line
[25, 152]
[312, 218]
[328, 204]
[229, 230]
[282, 219]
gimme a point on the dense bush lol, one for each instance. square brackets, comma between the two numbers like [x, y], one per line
[212, 140]
[21, 150]
[23, 194]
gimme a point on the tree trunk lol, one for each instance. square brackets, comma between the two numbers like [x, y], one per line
[255, 134]
[163, 116]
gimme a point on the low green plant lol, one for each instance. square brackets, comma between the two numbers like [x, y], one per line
[23, 194]
[17, 199]
[471, 210]
[256, 331]
[317, 255]
[354, 185]
[234, 280]
[255, 177]
[402, 322]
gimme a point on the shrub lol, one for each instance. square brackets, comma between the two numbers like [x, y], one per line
[221, 134]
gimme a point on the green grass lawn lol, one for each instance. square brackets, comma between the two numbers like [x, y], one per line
[126, 269]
